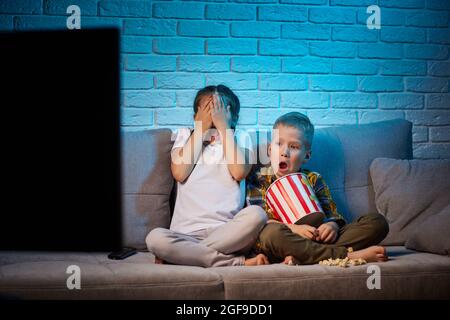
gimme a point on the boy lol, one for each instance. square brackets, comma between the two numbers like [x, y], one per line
[304, 244]
[208, 227]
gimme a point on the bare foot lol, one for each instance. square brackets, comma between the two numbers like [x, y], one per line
[290, 260]
[159, 261]
[370, 254]
[260, 259]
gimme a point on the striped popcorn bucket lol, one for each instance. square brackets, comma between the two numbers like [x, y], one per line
[292, 200]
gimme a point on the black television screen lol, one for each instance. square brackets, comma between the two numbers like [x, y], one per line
[61, 140]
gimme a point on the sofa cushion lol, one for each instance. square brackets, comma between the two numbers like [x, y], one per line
[360, 145]
[42, 275]
[407, 192]
[432, 235]
[147, 183]
[343, 154]
[407, 275]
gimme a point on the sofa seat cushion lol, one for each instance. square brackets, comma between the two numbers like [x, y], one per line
[41, 275]
[407, 275]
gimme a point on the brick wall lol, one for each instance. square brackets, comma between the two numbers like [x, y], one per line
[315, 56]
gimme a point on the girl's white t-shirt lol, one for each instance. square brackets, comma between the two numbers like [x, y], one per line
[210, 196]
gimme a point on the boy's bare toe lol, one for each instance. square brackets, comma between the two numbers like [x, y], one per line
[159, 260]
[262, 259]
[290, 260]
[259, 260]
[382, 257]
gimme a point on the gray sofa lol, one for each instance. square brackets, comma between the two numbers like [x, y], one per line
[342, 154]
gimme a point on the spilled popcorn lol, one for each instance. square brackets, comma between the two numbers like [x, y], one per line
[344, 263]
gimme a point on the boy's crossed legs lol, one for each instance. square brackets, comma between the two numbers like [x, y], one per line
[280, 244]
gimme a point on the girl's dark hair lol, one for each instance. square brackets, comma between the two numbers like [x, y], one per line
[228, 97]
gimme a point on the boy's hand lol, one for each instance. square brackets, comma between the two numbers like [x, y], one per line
[204, 114]
[304, 230]
[219, 114]
[328, 232]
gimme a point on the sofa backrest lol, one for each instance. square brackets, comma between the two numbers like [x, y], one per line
[342, 154]
[146, 183]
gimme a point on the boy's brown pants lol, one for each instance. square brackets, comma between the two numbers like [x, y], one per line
[277, 241]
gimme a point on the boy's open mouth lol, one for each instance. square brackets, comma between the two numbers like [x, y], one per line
[283, 165]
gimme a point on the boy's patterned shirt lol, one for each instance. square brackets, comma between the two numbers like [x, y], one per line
[261, 178]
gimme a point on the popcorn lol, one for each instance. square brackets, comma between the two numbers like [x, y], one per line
[343, 263]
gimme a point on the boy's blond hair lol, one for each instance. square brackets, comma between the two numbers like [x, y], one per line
[299, 121]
